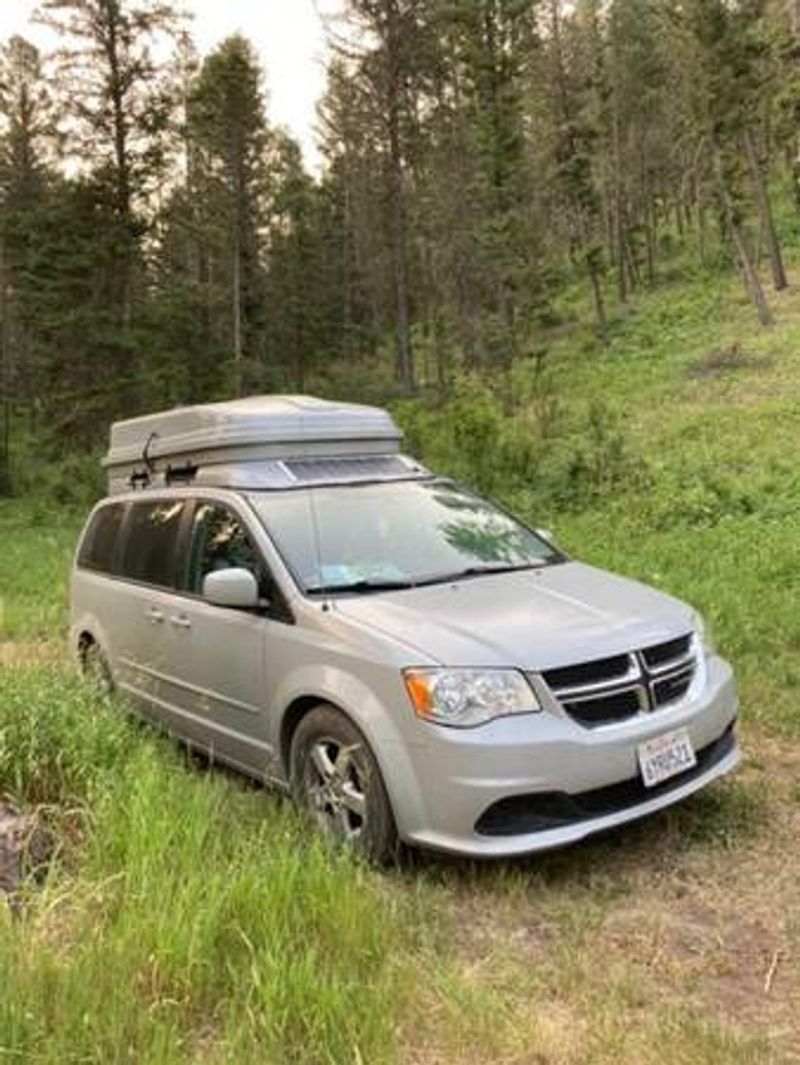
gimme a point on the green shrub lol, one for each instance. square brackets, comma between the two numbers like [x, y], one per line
[73, 480]
[533, 452]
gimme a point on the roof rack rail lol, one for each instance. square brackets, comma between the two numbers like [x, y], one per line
[180, 474]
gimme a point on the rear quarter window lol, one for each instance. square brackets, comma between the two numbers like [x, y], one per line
[98, 548]
[151, 541]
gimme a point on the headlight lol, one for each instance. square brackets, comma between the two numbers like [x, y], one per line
[703, 635]
[464, 698]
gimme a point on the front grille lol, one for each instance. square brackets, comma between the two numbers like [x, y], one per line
[608, 690]
[662, 653]
[540, 811]
[673, 687]
[596, 672]
[603, 709]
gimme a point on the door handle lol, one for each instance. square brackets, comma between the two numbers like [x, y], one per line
[155, 615]
[180, 621]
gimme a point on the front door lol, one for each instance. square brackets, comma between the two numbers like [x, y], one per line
[216, 686]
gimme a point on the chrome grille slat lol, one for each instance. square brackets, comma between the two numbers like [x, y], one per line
[675, 663]
[588, 695]
[633, 674]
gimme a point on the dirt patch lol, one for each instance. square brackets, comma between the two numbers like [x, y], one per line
[738, 967]
[660, 917]
[722, 361]
[26, 848]
[31, 652]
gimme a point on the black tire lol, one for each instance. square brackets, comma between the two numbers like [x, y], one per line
[96, 669]
[335, 778]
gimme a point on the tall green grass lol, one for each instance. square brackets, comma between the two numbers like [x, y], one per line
[190, 918]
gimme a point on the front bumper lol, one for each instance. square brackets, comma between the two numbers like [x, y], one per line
[460, 775]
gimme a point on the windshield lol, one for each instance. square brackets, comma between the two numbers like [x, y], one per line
[374, 537]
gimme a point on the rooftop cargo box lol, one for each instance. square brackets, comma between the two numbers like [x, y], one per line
[259, 442]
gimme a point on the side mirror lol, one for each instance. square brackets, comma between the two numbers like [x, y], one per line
[234, 587]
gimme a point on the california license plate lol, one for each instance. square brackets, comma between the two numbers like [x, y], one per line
[665, 757]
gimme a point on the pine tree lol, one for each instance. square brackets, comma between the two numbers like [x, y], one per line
[27, 146]
[386, 77]
[119, 103]
[231, 178]
[576, 131]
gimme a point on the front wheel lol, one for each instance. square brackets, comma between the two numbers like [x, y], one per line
[336, 779]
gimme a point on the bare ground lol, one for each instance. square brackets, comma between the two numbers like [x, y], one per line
[687, 922]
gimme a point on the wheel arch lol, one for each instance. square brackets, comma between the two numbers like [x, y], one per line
[84, 638]
[373, 709]
[292, 716]
[85, 632]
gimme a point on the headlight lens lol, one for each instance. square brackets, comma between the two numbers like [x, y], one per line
[463, 698]
[703, 635]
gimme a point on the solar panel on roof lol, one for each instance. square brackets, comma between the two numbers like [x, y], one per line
[309, 471]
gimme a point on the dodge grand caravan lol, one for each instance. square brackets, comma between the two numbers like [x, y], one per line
[273, 581]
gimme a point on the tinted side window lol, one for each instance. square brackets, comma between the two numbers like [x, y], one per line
[220, 541]
[152, 536]
[99, 544]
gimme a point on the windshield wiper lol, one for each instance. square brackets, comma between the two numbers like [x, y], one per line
[360, 586]
[366, 585]
[478, 571]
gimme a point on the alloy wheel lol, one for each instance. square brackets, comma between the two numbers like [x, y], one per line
[335, 787]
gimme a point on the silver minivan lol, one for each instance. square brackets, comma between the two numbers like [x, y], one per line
[273, 581]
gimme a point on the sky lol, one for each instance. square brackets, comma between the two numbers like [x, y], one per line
[288, 35]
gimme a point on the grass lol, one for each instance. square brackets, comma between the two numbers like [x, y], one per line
[189, 918]
[37, 546]
[192, 919]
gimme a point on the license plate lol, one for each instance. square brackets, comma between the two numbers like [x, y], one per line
[665, 757]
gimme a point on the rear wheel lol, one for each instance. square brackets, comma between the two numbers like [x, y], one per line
[336, 780]
[95, 667]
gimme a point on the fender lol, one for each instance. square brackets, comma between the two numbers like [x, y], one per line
[367, 711]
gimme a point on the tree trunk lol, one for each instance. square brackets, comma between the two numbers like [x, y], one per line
[403, 350]
[619, 210]
[766, 220]
[236, 281]
[236, 293]
[652, 242]
[597, 294]
[5, 378]
[122, 175]
[702, 236]
[794, 19]
[399, 246]
[752, 282]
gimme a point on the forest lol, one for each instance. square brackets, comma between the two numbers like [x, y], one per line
[162, 243]
[560, 239]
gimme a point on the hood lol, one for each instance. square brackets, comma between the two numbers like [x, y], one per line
[533, 619]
